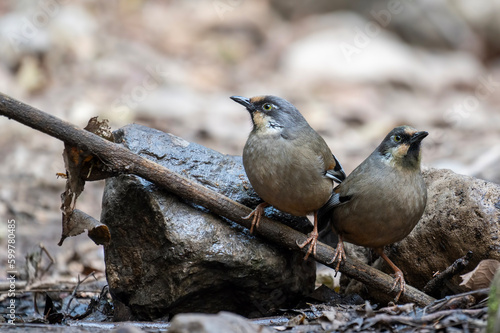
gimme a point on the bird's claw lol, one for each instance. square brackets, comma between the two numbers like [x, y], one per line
[257, 214]
[255, 221]
[312, 240]
[399, 279]
[339, 255]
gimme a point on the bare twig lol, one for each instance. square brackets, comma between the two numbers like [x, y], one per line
[119, 159]
[457, 301]
[457, 267]
[52, 261]
[76, 289]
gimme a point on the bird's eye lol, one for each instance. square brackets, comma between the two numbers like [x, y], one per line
[267, 107]
[397, 138]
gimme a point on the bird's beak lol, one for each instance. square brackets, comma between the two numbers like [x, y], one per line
[418, 137]
[243, 101]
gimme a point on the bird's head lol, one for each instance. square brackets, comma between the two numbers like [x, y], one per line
[401, 147]
[271, 114]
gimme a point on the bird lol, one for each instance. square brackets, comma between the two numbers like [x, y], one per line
[382, 200]
[288, 163]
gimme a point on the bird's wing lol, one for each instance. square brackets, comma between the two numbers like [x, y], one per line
[335, 171]
[325, 212]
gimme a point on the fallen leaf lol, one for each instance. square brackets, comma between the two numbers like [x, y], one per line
[77, 222]
[481, 276]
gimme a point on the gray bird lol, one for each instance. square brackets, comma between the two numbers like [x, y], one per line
[288, 164]
[382, 200]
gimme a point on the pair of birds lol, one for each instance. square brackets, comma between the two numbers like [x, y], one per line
[291, 168]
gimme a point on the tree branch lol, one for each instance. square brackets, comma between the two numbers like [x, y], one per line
[121, 160]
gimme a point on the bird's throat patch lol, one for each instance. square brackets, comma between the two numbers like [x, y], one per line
[395, 155]
[401, 150]
[259, 119]
[265, 124]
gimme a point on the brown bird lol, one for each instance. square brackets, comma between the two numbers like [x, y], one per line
[382, 200]
[288, 164]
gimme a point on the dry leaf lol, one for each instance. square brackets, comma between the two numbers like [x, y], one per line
[81, 166]
[481, 276]
[77, 222]
[297, 320]
[100, 128]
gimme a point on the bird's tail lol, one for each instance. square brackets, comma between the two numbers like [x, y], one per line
[324, 224]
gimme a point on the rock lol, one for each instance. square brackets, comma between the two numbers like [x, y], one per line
[462, 214]
[127, 328]
[345, 47]
[168, 256]
[462, 25]
[223, 322]
[19, 36]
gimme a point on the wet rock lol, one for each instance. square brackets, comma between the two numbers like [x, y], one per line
[168, 256]
[127, 328]
[220, 323]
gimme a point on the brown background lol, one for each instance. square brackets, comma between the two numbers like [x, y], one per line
[354, 70]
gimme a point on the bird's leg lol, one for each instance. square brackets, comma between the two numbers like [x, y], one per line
[339, 253]
[256, 213]
[398, 274]
[312, 240]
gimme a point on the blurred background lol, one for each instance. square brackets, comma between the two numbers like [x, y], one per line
[355, 69]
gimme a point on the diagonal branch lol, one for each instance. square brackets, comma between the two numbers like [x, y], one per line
[121, 160]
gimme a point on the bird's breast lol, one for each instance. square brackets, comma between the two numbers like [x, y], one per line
[383, 210]
[284, 175]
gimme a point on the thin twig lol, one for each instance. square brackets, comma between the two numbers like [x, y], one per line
[43, 249]
[441, 303]
[73, 294]
[457, 267]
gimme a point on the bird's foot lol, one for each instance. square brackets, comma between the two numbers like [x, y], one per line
[398, 274]
[339, 254]
[312, 240]
[257, 214]
[399, 279]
